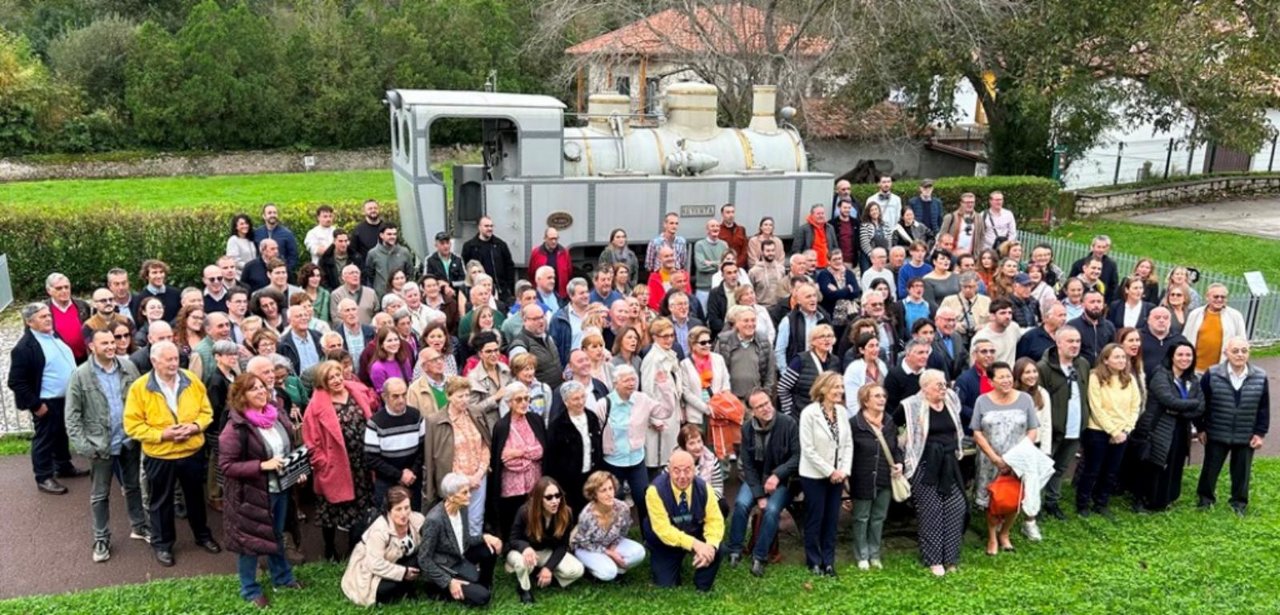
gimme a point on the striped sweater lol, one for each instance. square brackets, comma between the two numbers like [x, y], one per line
[393, 443]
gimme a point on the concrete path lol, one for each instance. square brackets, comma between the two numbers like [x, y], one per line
[1257, 217]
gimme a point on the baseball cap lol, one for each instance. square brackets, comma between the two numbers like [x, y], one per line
[1022, 279]
[442, 236]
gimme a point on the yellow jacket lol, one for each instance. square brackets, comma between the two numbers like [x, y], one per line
[1113, 409]
[147, 414]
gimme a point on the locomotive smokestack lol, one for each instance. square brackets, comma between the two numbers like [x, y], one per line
[764, 100]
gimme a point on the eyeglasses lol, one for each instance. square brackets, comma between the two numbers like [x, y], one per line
[121, 336]
[702, 343]
[552, 497]
[520, 398]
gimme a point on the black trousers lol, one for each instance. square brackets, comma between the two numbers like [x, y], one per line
[1215, 453]
[50, 449]
[164, 476]
[390, 592]
[479, 592]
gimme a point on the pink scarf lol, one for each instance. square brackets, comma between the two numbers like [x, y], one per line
[262, 419]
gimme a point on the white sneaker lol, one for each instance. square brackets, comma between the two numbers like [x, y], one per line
[1032, 531]
[144, 535]
[864, 565]
[101, 551]
[875, 563]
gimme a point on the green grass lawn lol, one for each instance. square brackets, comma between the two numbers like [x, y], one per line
[154, 193]
[1221, 252]
[1185, 561]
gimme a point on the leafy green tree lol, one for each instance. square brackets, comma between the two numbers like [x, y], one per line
[153, 75]
[92, 58]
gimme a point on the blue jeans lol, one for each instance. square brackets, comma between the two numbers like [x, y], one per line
[742, 507]
[277, 565]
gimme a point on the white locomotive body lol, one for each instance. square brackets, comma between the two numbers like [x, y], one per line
[586, 181]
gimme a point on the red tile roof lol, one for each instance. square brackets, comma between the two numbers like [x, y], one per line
[726, 27]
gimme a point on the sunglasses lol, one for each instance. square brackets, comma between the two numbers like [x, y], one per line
[121, 336]
[703, 343]
[552, 497]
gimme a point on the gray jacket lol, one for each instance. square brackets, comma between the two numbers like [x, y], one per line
[88, 416]
[381, 263]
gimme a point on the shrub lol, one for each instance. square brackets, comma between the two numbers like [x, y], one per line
[85, 243]
[1027, 197]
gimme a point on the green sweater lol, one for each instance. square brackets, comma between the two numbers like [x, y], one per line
[706, 261]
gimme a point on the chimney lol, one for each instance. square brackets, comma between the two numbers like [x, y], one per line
[764, 100]
[692, 108]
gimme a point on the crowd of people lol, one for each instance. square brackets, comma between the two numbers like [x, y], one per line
[454, 418]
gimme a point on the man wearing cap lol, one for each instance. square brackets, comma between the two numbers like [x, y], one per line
[447, 267]
[928, 208]
[1026, 310]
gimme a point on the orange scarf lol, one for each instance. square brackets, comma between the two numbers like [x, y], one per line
[819, 241]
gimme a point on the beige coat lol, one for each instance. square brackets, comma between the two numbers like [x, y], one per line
[375, 557]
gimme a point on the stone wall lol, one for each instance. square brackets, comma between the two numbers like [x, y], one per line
[229, 163]
[1199, 190]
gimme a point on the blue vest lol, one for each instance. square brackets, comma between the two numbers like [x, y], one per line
[691, 523]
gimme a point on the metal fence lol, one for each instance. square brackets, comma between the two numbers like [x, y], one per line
[1262, 314]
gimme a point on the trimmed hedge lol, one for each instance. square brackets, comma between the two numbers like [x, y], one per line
[85, 243]
[1026, 196]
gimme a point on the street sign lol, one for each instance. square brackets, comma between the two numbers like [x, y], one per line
[1257, 285]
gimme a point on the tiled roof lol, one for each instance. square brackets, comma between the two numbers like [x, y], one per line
[725, 27]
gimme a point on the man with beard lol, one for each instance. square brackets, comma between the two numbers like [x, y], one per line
[1157, 338]
[965, 225]
[890, 203]
[768, 276]
[386, 258]
[320, 237]
[104, 311]
[770, 461]
[1002, 332]
[335, 259]
[721, 298]
[284, 238]
[928, 208]
[365, 235]
[447, 267]
[1095, 331]
[848, 230]
[494, 255]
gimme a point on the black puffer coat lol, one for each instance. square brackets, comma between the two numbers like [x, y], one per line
[1168, 415]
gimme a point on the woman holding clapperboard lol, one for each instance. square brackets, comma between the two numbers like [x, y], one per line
[252, 451]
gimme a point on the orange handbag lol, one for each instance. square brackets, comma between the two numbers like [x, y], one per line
[1006, 495]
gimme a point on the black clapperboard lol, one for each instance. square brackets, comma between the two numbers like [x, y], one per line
[296, 465]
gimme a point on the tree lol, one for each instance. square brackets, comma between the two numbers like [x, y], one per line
[1061, 72]
[93, 59]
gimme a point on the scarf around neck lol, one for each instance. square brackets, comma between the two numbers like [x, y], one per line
[262, 419]
[819, 240]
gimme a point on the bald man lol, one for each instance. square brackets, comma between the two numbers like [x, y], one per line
[683, 518]
[393, 443]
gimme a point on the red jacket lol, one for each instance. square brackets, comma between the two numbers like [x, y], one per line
[559, 260]
[657, 292]
[323, 435]
[736, 237]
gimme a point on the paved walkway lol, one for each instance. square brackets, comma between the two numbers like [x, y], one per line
[1258, 217]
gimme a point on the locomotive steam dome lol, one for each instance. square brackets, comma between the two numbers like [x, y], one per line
[688, 142]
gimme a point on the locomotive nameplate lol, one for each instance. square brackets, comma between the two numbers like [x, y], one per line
[697, 211]
[560, 220]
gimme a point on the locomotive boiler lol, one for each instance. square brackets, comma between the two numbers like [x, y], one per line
[617, 171]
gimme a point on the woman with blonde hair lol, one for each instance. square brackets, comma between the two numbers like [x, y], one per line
[333, 428]
[705, 375]
[799, 376]
[1114, 405]
[601, 368]
[662, 379]
[1145, 270]
[600, 540]
[826, 456]
[458, 442]
[1181, 277]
